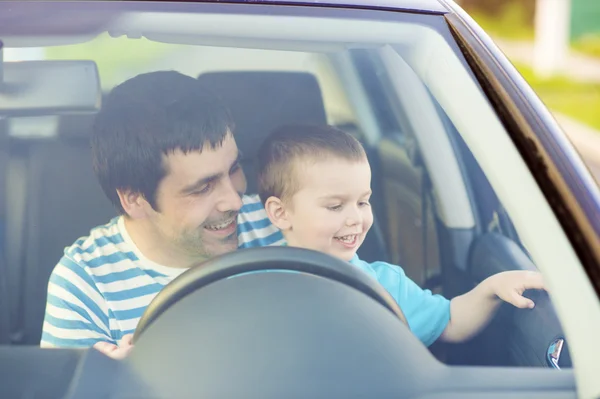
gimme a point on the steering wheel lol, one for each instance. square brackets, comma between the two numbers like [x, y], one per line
[265, 259]
[280, 322]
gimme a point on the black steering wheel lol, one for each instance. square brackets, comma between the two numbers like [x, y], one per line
[282, 322]
[259, 260]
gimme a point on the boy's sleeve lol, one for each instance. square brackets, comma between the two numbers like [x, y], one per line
[76, 312]
[427, 314]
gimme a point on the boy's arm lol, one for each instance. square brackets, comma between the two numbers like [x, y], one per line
[471, 312]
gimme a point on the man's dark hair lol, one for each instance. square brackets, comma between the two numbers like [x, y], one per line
[280, 153]
[146, 118]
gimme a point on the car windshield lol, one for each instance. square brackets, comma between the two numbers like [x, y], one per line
[396, 82]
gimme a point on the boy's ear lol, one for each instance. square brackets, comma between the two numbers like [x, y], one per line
[277, 213]
[134, 204]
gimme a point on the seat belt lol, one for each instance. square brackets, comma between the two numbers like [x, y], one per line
[430, 282]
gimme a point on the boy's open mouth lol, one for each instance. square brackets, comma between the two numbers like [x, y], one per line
[349, 240]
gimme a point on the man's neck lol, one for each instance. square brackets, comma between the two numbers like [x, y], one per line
[154, 247]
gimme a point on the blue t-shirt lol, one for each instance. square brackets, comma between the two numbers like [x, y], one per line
[427, 314]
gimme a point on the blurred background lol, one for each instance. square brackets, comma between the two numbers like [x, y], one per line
[555, 44]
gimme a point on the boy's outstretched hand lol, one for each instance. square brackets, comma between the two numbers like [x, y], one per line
[509, 286]
[471, 312]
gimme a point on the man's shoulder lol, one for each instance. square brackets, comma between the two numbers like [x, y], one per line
[104, 244]
[252, 203]
[254, 227]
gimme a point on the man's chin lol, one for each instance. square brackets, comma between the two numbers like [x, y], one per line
[223, 247]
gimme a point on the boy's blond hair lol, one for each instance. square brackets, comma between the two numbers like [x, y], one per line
[286, 147]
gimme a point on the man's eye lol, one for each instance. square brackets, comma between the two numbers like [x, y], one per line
[334, 207]
[205, 189]
[235, 168]
[363, 204]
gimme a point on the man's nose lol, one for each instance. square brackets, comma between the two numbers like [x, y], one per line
[230, 199]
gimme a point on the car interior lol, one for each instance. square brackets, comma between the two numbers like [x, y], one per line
[436, 213]
[52, 184]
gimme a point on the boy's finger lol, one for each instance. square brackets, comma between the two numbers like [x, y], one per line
[535, 281]
[521, 302]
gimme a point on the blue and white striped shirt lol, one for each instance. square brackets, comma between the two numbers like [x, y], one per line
[103, 283]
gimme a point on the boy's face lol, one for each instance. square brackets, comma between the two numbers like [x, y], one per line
[331, 211]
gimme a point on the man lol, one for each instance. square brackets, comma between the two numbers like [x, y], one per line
[164, 153]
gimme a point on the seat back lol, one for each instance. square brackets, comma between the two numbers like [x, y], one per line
[63, 202]
[263, 101]
[4, 293]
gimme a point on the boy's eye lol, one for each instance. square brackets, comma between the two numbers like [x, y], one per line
[362, 204]
[334, 207]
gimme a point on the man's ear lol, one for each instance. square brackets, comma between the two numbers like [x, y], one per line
[277, 213]
[134, 204]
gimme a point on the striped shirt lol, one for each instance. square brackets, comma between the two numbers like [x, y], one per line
[102, 285]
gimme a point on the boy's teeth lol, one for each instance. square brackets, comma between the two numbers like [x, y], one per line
[347, 239]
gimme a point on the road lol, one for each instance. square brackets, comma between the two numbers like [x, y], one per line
[578, 67]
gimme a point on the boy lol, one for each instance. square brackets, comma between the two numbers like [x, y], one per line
[315, 185]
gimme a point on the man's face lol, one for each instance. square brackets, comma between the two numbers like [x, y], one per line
[199, 199]
[331, 211]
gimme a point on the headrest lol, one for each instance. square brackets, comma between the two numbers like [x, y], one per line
[76, 126]
[262, 101]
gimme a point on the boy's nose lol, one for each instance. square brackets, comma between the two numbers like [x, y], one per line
[354, 218]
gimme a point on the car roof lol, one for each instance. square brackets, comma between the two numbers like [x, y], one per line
[14, 12]
[428, 6]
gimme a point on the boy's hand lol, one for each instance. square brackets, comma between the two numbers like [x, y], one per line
[470, 312]
[509, 286]
[116, 352]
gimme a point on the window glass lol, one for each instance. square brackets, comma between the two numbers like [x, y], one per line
[435, 200]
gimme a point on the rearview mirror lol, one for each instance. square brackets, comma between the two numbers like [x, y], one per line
[34, 88]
